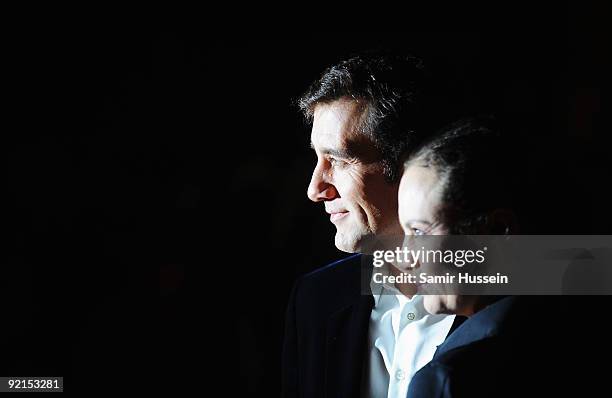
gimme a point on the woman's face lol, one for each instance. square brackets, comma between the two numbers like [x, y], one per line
[420, 200]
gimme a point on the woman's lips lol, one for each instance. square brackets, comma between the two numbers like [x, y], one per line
[337, 216]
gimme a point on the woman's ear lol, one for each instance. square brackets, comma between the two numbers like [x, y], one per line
[502, 222]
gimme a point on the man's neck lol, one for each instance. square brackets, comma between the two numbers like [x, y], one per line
[407, 289]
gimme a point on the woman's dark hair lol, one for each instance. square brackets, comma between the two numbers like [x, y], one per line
[474, 162]
[395, 92]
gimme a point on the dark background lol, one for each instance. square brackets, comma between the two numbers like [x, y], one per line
[157, 214]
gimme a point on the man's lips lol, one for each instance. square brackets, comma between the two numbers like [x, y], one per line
[334, 216]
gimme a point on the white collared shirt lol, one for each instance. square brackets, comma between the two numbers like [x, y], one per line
[403, 338]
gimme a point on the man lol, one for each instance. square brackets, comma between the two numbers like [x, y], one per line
[365, 112]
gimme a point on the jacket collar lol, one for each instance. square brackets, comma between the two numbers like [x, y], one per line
[346, 338]
[487, 322]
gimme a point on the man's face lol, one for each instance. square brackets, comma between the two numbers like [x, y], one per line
[348, 177]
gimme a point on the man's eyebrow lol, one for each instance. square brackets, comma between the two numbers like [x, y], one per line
[338, 153]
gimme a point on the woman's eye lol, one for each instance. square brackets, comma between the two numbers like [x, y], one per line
[418, 232]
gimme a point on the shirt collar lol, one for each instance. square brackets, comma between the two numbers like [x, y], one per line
[380, 289]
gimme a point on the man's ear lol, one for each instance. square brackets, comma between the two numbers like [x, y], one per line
[502, 222]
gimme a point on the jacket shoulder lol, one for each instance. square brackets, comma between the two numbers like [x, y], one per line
[341, 269]
[479, 369]
[331, 287]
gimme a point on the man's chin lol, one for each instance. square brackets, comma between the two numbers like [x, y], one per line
[440, 304]
[349, 244]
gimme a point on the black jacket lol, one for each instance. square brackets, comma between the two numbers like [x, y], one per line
[504, 350]
[326, 331]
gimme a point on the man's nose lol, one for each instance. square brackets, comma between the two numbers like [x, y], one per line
[320, 188]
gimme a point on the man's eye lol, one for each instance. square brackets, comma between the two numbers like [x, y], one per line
[418, 232]
[334, 161]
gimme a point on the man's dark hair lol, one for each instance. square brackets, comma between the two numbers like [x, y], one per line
[394, 92]
[474, 161]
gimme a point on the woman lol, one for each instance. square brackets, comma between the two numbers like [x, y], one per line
[460, 183]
